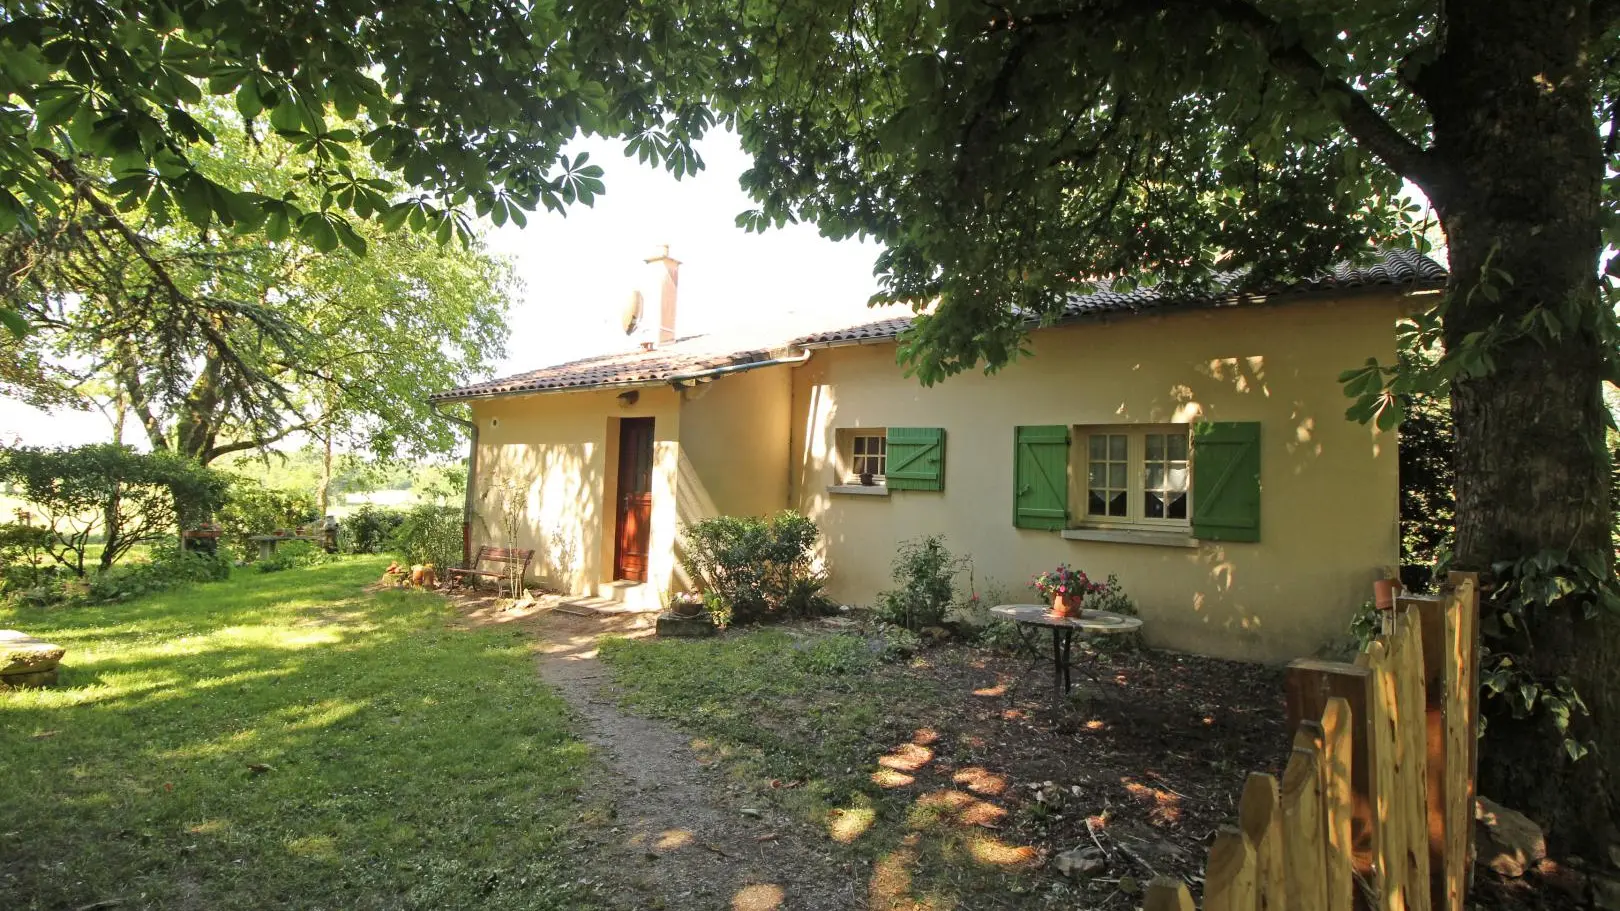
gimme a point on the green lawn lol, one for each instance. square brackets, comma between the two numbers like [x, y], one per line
[285, 741]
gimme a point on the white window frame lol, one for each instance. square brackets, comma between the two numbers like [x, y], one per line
[1135, 476]
[846, 438]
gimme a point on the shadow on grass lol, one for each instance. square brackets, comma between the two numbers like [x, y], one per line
[285, 741]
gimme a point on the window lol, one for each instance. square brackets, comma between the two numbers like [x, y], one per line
[876, 460]
[1136, 476]
[867, 452]
[1136, 484]
[1107, 475]
[1164, 476]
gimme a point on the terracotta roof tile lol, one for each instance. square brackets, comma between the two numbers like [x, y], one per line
[688, 357]
[633, 368]
[1390, 269]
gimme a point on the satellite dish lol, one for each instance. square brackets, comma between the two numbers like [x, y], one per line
[630, 318]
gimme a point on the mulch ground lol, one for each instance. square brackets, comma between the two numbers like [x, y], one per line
[1144, 766]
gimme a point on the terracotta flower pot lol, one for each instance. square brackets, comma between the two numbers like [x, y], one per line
[1065, 605]
[1384, 592]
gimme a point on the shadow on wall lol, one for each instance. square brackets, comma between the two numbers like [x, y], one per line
[561, 519]
[1326, 523]
[692, 504]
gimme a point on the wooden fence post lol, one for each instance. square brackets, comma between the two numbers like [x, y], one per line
[1166, 893]
[1400, 785]
[1311, 686]
[1260, 816]
[1229, 874]
[1338, 803]
[1460, 727]
[1304, 854]
[1430, 611]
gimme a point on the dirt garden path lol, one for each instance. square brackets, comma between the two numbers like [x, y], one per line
[673, 835]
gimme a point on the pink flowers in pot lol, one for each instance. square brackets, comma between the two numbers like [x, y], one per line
[1066, 581]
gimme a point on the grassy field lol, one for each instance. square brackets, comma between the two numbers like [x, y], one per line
[285, 741]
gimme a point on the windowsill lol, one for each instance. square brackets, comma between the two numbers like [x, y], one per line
[859, 490]
[1132, 536]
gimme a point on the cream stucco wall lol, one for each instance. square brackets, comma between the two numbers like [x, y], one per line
[719, 448]
[734, 444]
[558, 452]
[1329, 504]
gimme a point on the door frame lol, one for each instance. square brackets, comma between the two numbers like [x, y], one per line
[620, 507]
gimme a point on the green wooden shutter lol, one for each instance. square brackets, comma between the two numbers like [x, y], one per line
[1226, 481]
[916, 458]
[1041, 492]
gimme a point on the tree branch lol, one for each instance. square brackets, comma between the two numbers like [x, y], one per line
[1291, 59]
[85, 190]
[214, 452]
[1361, 120]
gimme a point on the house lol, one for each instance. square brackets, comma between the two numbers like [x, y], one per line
[1196, 448]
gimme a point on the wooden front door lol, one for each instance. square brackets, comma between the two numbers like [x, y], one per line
[635, 499]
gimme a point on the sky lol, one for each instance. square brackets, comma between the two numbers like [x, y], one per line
[577, 270]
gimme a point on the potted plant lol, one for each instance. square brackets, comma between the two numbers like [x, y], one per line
[868, 480]
[1066, 588]
[686, 604]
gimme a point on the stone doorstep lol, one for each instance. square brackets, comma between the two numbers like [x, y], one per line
[21, 653]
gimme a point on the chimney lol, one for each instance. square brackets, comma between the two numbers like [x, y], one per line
[659, 289]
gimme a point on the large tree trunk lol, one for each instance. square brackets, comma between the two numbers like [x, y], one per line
[1518, 195]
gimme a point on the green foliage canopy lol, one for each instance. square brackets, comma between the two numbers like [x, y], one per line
[218, 342]
[463, 106]
[124, 497]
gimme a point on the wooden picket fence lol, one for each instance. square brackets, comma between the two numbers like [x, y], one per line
[1376, 805]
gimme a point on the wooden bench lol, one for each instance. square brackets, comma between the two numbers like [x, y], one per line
[506, 556]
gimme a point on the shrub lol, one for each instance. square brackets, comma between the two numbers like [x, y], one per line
[253, 509]
[758, 568]
[429, 534]
[1427, 481]
[24, 560]
[925, 573]
[169, 567]
[293, 553]
[899, 643]
[109, 492]
[367, 529]
[1110, 596]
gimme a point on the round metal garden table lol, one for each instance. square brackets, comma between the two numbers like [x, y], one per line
[1031, 617]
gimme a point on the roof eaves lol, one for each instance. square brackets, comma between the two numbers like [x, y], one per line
[734, 363]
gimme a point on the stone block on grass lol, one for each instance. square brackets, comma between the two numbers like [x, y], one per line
[677, 627]
[26, 661]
